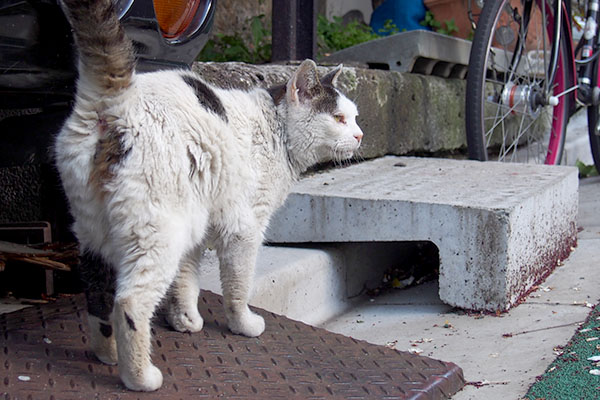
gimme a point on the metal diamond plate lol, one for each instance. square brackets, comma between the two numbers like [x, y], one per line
[44, 355]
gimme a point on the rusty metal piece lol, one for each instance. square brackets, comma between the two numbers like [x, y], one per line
[44, 355]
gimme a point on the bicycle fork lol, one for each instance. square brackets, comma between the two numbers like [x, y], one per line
[586, 93]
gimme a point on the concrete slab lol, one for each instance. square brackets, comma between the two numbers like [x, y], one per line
[420, 51]
[500, 228]
[500, 355]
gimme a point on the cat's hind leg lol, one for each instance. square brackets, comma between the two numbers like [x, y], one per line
[182, 305]
[237, 257]
[98, 280]
[142, 281]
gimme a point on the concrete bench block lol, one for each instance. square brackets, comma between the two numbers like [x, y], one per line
[500, 228]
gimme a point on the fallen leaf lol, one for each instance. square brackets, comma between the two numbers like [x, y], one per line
[422, 340]
[485, 382]
[595, 372]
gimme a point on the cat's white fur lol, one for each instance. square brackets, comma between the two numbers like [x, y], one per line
[187, 178]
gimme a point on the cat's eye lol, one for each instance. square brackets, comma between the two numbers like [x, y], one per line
[339, 118]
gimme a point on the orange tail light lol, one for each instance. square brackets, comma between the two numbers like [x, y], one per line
[175, 16]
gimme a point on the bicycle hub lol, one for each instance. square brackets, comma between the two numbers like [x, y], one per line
[522, 99]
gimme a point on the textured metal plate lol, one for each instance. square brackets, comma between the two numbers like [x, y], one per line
[44, 355]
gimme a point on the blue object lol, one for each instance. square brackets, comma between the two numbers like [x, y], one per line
[405, 14]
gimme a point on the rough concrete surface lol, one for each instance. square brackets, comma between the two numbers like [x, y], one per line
[500, 355]
[496, 237]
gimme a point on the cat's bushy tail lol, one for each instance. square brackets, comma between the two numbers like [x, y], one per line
[106, 55]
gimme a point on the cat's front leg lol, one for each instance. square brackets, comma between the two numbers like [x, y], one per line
[182, 306]
[237, 256]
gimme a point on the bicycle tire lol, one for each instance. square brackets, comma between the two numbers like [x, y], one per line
[499, 127]
[593, 114]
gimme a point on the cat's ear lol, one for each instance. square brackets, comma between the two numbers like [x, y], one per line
[332, 76]
[304, 84]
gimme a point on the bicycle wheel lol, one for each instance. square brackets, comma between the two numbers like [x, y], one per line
[509, 88]
[594, 122]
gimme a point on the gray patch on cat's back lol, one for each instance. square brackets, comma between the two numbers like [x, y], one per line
[206, 96]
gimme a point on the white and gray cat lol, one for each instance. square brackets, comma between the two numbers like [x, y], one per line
[157, 166]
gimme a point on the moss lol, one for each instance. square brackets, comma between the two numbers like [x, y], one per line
[348, 79]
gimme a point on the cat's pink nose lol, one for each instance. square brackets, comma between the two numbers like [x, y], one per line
[358, 136]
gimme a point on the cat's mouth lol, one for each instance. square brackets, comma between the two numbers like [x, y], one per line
[341, 154]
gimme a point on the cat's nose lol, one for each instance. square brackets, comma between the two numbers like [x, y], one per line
[358, 136]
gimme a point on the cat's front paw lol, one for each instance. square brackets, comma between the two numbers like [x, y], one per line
[148, 379]
[185, 321]
[247, 324]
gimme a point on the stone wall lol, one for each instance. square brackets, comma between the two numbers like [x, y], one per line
[232, 15]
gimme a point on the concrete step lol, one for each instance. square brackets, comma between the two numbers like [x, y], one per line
[500, 228]
[312, 283]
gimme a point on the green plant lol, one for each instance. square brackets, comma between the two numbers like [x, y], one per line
[586, 170]
[334, 35]
[234, 48]
[447, 27]
[331, 36]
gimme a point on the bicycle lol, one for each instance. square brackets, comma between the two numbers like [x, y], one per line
[526, 79]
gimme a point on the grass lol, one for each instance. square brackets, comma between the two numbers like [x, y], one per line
[569, 377]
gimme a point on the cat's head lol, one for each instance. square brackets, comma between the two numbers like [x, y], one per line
[321, 121]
